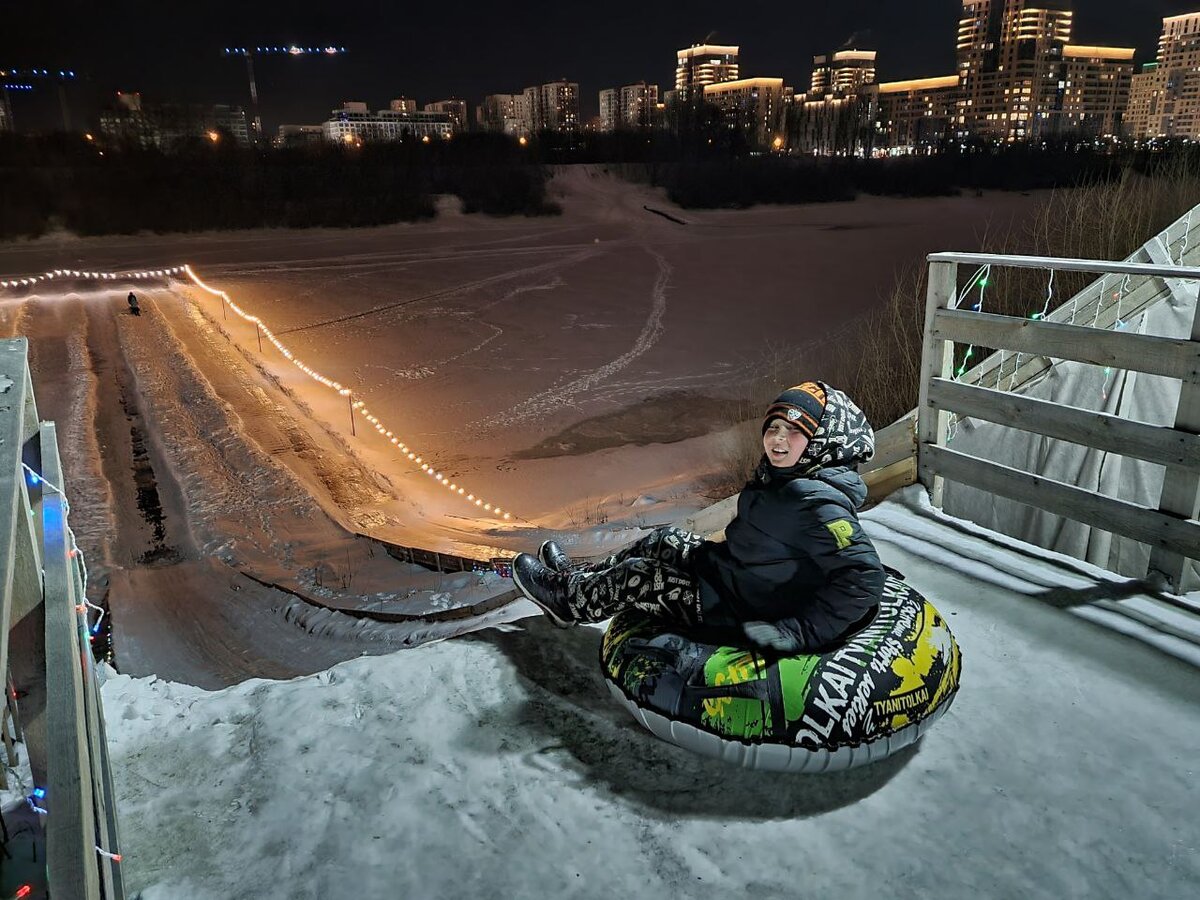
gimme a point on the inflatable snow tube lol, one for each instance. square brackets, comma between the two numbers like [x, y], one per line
[858, 704]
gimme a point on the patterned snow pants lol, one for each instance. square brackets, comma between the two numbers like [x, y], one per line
[655, 575]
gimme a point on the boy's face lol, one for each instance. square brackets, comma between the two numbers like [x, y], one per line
[784, 443]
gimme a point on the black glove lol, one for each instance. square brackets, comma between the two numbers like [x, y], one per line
[770, 636]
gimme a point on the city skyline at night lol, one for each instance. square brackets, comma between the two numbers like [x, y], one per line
[438, 53]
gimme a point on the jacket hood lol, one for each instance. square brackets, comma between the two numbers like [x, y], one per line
[844, 437]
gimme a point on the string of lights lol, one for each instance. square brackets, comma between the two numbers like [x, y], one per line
[356, 406]
[291, 50]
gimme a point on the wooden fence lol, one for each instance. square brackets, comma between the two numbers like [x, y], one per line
[1170, 529]
[45, 649]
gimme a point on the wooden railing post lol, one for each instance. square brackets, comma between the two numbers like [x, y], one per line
[937, 361]
[1181, 487]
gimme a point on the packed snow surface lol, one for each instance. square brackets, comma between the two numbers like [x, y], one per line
[497, 765]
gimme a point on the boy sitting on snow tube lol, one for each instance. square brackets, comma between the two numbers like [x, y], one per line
[795, 574]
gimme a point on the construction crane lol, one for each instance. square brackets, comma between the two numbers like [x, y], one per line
[23, 81]
[250, 52]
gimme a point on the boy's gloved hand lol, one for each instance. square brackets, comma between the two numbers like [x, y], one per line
[765, 634]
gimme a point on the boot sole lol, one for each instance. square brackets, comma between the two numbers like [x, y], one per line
[550, 614]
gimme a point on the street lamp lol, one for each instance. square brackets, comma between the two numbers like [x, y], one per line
[250, 52]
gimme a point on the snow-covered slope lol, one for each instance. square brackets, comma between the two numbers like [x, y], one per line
[496, 765]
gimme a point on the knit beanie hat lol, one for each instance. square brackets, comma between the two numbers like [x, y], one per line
[801, 406]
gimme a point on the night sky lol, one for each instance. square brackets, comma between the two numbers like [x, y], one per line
[430, 51]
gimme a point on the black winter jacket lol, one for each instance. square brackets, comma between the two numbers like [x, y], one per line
[795, 554]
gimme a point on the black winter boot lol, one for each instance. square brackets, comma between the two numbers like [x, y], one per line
[546, 588]
[553, 557]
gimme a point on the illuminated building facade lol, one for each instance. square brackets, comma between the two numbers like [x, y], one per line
[843, 72]
[500, 113]
[402, 104]
[1165, 97]
[1023, 79]
[549, 107]
[456, 109]
[701, 65]
[632, 107]
[1096, 94]
[754, 105]
[354, 124]
[919, 113]
[836, 116]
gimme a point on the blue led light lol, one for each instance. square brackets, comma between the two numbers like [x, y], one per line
[40, 793]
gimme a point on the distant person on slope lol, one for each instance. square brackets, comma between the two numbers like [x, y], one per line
[133, 304]
[795, 574]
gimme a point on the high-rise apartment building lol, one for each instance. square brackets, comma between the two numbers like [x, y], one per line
[752, 104]
[842, 72]
[1096, 93]
[1165, 98]
[1031, 68]
[402, 104]
[632, 107]
[501, 113]
[1009, 58]
[456, 109]
[553, 107]
[610, 109]
[919, 113]
[1023, 79]
[701, 65]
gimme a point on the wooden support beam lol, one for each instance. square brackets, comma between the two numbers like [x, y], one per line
[937, 361]
[1119, 516]
[1170, 357]
[1114, 434]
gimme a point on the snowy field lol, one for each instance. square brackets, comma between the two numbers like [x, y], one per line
[545, 363]
[497, 765]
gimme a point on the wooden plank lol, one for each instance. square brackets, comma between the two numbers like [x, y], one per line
[13, 355]
[1118, 516]
[713, 518]
[1153, 443]
[107, 835]
[882, 482]
[1170, 357]
[894, 443]
[1099, 266]
[937, 360]
[71, 825]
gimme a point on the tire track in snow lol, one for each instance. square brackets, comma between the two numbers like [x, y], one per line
[556, 397]
[445, 292]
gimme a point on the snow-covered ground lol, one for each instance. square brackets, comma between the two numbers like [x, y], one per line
[568, 369]
[497, 765]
